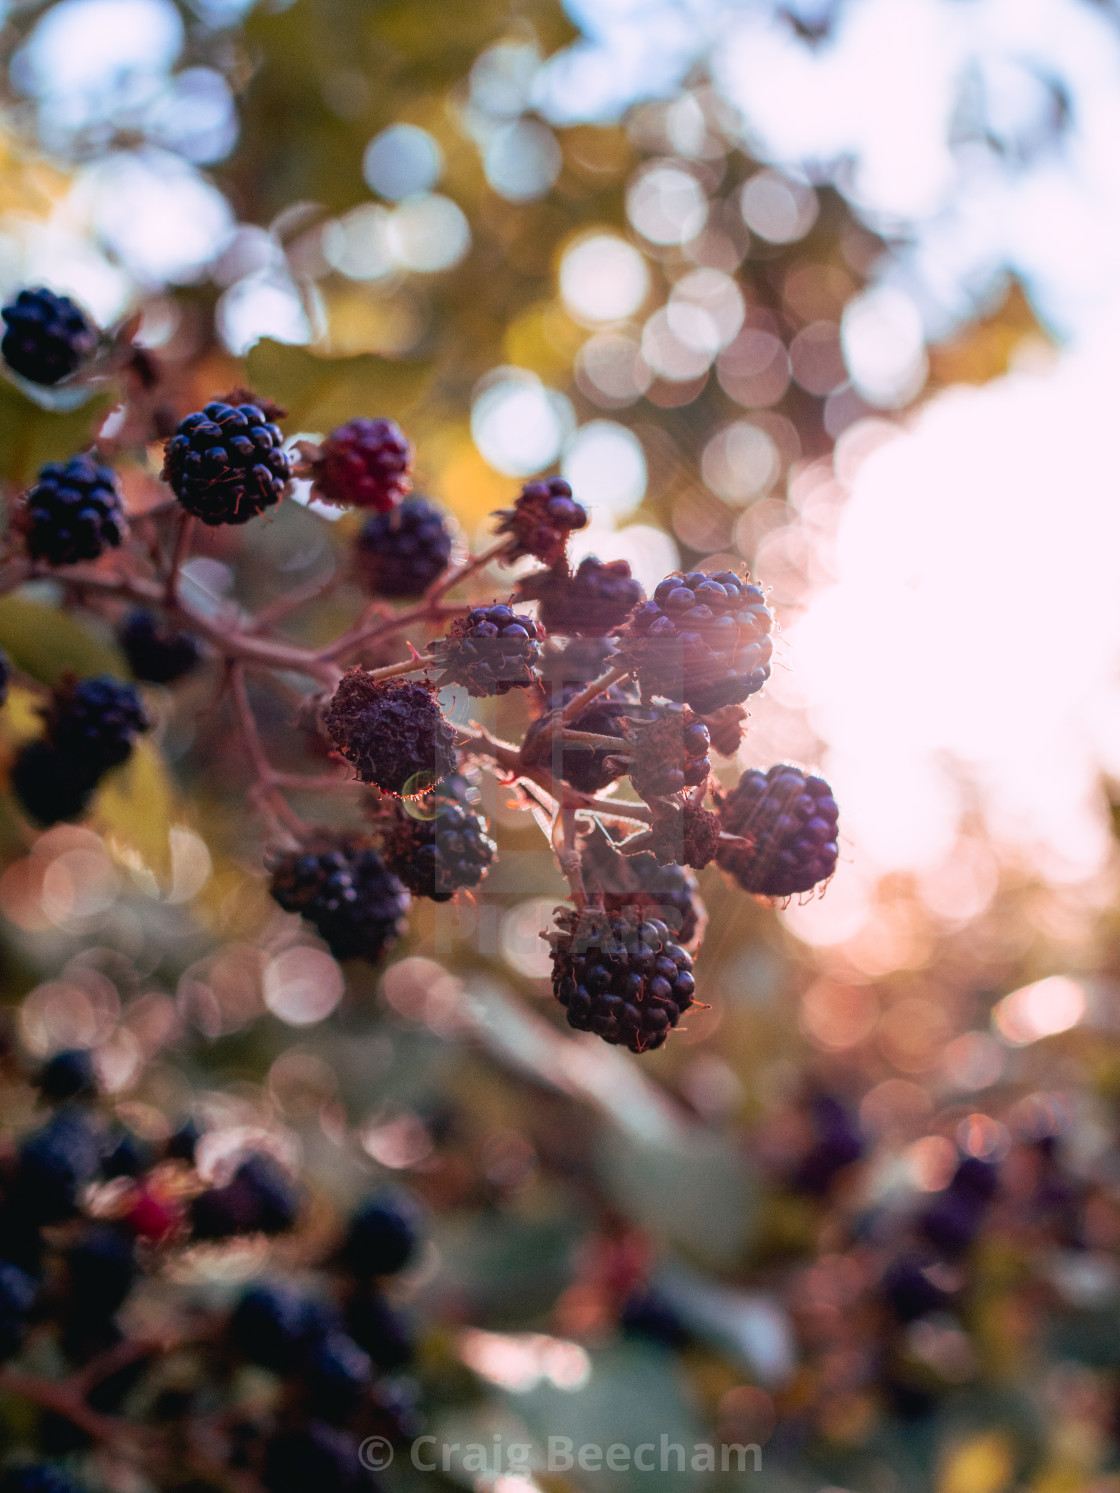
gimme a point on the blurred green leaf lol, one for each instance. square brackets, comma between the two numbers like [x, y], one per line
[319, 393]
[31, 435]
[45, 642]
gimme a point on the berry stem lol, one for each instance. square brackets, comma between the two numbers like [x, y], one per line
[184, 528]
[617, 745]
[266, 791]
[579, 703]
[62, 1400]
[408, 666]
[479, 744]
[451, 578]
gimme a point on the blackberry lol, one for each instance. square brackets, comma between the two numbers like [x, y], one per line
[910, 1289]
[383, 1236]
[259, 1198]
[400, 553]
[49, 787]
[445, 849]
[593, 601]
[837, 1141]
[379, 1330]
[541, 520]
[393, 732]
[670, 754]
[69, 1074]
[337, 1373]
[272, 1325]
[93, 723]
[47, 337]
[638, 886]
[726, 728]
[343, 888]
[54, 1164]
[155, 652]
[625, 980]
[489, 651]
[790, 820]
[225, 463]
[313, 1456]
[364, 464]
[683, 833]
[590, 769]
[955, 1217]
[102, 1268]
[17, 1296]
[38, 1477]
[702, 639]
[72, 513]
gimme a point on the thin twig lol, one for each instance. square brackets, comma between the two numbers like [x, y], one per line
[266, 791]
[469, 567]
[180, 549]
[62, 1400]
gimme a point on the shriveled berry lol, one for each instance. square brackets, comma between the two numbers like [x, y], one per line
[489, 651]
[72, 513]
[344, 890]
[393, 732]
[701, 639]
[384, 1234]
[156, 652]
[726, 728]
[225, 463]
[790, 821]
[670, 754]
[364, 464]
[540, 521]
[442, 844]
[685, 834]
[400, 553]
[593, 601]
[47, 336]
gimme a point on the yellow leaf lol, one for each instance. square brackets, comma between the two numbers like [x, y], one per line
[45, 642]
[135, 810]
[983, 1464]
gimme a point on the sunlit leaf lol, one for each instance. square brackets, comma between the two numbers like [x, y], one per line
[46, 642]
[319, 393]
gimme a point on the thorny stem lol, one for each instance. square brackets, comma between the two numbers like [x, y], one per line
[409, 666]
[580, 702]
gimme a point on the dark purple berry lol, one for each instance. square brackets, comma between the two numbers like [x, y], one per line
[226, 464]
[489, 651]
[379, 1330]
[790, 821]
[300, 1458]
[383, 1236]
[441, 844]
[364, 464]
[670, 754]
[47, 337]
[400, 553]
[48, 786]
[70, 1074]
[593, 601]
[54, 1164]
[541, 520]
[393, 732]
[260, 1198]
[17, 1296]
[345, 891]
[155, 652]
[273, 1325]
[72, 513]
[93, 723]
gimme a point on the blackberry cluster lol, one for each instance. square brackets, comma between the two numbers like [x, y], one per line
[541, 520]
[364, 464]
[155, 652]
[596, 599]
[72, 513]
[400, 553]
[489, 651]
[791, 821]
[588, 768]
[47, 337]
[225, 463]
[670, 754]
[444, 846]
[91, 725]
[346, 892]
[624, 979]
[260, 1198]
[636, 885]
[702, 639]
[394, 733]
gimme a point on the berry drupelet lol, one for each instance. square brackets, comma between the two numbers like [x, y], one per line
[225, 463]
[346, 892]
[400, 553]
[670, 754]
[596, 599]
[393, 732]
[624, 979]
[72, 513]
[489, 651]
[443, 847]
[790, 820]
[94, 722]
[364, 464]
[701, 639]
[47, 337]
[155, 652]
[541, 520]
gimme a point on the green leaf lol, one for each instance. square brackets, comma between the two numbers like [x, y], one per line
[31, 435]
[45, 642]
[320, 393]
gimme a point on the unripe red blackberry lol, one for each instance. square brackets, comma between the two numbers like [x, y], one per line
[156, 652]
[541, 520]
[94, 722]
[225, 463]
[393, 732]
[624, 979]
[590, 769]
[702, 639]
[442, 845]
[72, 513]
[596, 599]
[790, 820]
[346, 892]
[47, 337]
[489, 651]
[637, 886]
[364, 464]
[400, 553]
[669, 754]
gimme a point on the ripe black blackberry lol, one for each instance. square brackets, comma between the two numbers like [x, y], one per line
[343, 888]
[588, 768]
[49, 788]
[441, 847]
[72, 513]
[17, 1296]
[790, 820]
[624, 979]
[54, 1163]
[364, 464]
[94, 722]
[702, 639]
[393, 732]
[489, 651]
[225, 463]
[384, 1234]
[260, 1198]
[400, 553]
[593, 601]
[155, 652]
[47, 338]
[69, 1074]
[540, 521]
[637, 886]
[670, 754]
